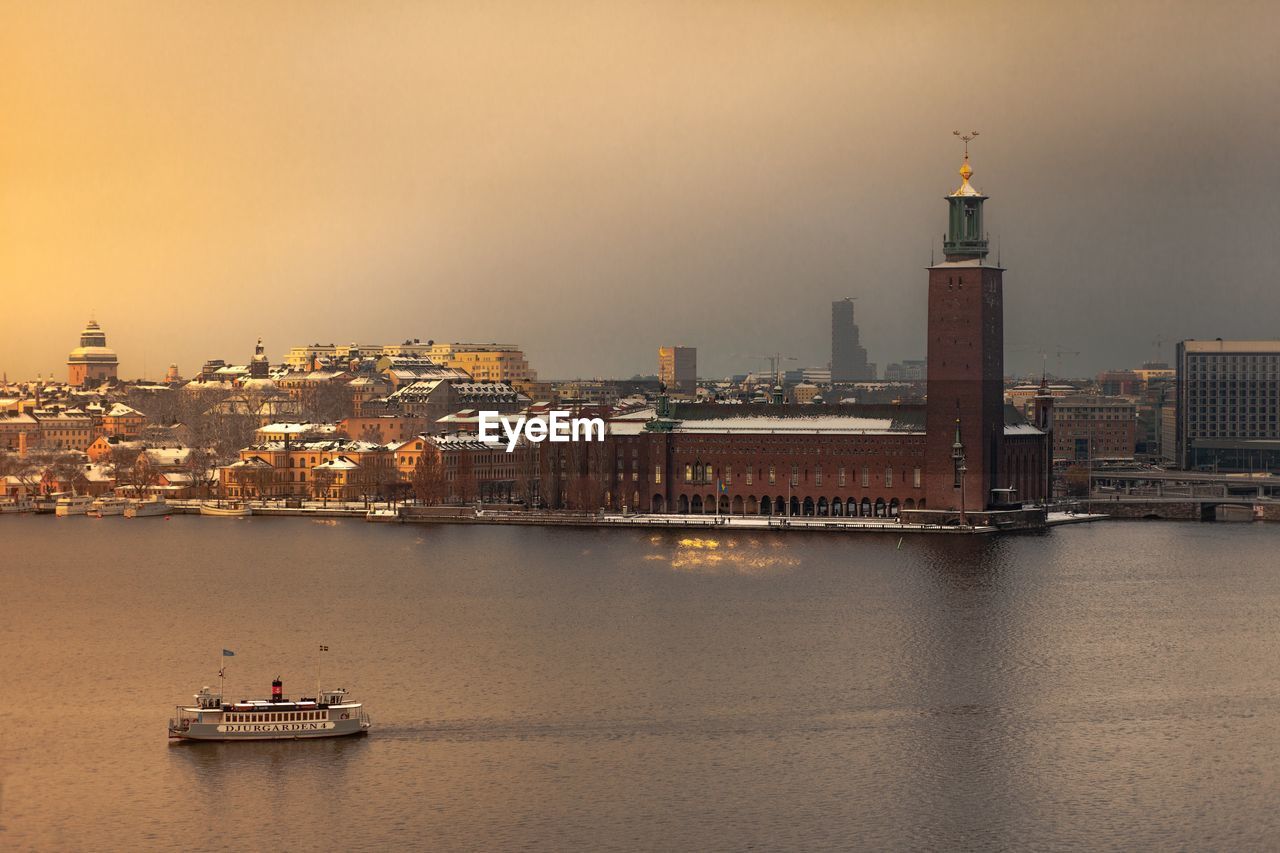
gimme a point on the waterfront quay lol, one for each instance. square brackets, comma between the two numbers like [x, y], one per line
[407, 513]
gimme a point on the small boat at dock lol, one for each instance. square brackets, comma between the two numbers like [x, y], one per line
[72, 505]
[230, 510]
[105, 506]
[18, 505]
[148, 508]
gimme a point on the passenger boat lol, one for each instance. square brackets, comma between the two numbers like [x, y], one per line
[148, 508]
[331, 714]
[46, 504]
[18, 505]
[105, 506]
[73, 505]
[231, 510]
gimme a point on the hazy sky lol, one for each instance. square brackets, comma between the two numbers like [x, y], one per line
[594, 179]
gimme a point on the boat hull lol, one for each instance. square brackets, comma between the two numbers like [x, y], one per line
[225, 512]
[147, 510]
[270, 731]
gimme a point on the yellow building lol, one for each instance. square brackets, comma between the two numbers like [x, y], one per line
[487, 362]
[311, 470]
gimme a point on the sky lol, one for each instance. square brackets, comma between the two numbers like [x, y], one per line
[592, 180]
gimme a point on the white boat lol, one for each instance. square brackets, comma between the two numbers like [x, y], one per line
[105, 506]
[331, 714]
[230, 510]
[72, 505]
[18, 505]
[148, 508]
[46, 504]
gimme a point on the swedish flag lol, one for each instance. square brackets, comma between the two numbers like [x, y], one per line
[227, 653]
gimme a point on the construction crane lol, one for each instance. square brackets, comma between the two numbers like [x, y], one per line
[1059, 352]
[775, 362]
[1158, 344]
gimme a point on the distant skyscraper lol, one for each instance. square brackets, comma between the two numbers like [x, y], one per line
[678, 369]
[848, 357]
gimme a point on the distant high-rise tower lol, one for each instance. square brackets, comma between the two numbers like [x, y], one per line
[848, 357]
[678, 369]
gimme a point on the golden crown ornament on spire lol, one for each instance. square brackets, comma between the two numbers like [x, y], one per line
[966, 171]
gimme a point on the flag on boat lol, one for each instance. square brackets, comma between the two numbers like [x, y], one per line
[227, 653]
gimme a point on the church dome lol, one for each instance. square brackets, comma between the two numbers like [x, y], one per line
[93, 347]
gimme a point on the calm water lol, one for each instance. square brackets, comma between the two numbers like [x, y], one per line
[1104, 686]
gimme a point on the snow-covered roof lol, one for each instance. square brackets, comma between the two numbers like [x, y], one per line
[296, 429]
[168, 456]
[1022, 429]
[830, 425]
[120, 410]
[341, 463]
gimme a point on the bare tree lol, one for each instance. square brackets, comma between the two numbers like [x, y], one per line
[66, 468]
[141, 474]
[429, 484]
[465, 477]
[321, 482]
[121, 461]
[526, 466]
[196, 467]
[325, 402]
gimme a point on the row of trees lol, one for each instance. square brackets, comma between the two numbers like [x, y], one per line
[130, 468]
[224, 420]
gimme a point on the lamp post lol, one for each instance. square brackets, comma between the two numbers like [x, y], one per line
[957, 459]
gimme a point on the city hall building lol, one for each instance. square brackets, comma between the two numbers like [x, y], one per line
[962, 448]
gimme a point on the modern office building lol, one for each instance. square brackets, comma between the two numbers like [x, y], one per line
[678, 369]
[1228, 405]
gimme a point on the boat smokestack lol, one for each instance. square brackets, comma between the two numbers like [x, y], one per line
[277, 690]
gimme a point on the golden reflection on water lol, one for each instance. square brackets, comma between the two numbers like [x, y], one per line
[724, 556]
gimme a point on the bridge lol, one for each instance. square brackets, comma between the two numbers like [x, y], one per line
[1189, 495]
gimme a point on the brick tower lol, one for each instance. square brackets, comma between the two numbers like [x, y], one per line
[965, 411]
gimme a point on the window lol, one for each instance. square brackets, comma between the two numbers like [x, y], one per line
[866, 476]
[657, 474]
[915, 477]
[795, 475]
[888, 478]
[688, 473]
[773, 478]
[817, 476]
[841, 476]
[728, 475]
[748, 476]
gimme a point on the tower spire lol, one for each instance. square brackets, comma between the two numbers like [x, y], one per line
[965, 238]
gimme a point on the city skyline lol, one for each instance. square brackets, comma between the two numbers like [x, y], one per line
[541, 182]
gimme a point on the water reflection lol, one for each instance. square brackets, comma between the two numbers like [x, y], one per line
[724, 554]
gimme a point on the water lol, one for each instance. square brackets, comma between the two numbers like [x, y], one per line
[1110, 686]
